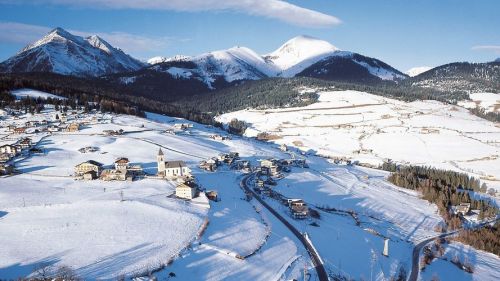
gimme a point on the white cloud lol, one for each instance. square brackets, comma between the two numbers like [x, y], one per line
[490, 48]
[13, 32]
[275, 9]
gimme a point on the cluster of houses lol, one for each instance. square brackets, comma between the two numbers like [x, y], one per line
[274, 168]
[10, 151]
[213, 163]
[122, 170]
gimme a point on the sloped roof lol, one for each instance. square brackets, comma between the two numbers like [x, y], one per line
[175, 164]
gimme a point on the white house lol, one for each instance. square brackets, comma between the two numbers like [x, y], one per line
[185, 191]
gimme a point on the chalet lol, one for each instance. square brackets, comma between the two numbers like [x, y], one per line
[20, 130]
[298, 208]
[88, 166]
[171, 169]
[110, 174]
[208, 165]
[11, 150]
[185, 190]
[73, 127]
[6, 169]
[121, 164]
[44, 122]
[25, 143]
[11, 128]
[212, 195]
[463, 209]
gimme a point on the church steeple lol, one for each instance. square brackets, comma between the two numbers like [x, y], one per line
[160, 159]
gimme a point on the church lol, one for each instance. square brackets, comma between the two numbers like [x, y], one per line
[171, 169]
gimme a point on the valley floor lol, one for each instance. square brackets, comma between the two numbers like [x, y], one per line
[106, 229]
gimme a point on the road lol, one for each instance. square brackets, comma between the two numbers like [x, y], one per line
[318, 265]
[415, 270]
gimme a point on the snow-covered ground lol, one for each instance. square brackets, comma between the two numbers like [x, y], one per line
[489, 101]
[85, 225]
[23, 93]
[371, 129]
[486, 265]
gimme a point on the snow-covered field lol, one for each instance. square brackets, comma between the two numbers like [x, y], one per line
[23, 93]
[489, 101]
[49, 218]
[371, 129]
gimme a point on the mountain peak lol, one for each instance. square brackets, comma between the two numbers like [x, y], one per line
[414, 71]
[300, 52]
[61, 52]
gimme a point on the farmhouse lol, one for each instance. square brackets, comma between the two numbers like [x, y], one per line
[25, 143]
[121, 164]
[9, 149]
[20, 130]
[298, 208]
[110, 174]
[463, 209]
[208, 165]
[73, 127]
[171, 169]
[88, 166]
[185, 190]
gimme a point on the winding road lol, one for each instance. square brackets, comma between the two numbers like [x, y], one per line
[317, 262]
[415, 270]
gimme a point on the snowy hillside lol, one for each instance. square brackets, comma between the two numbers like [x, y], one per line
[417, 70]
[105, 229]
[369, 129]
[64, 53]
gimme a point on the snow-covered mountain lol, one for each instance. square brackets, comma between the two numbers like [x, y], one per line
[497, 60]
[412, 72]
[300, 56]
[461, 76]
[234, 64]
[64, 53]
[160, 59]
[299, 53]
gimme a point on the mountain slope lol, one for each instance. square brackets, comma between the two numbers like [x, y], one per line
[352, 67]
[64, 53]
[461, 76]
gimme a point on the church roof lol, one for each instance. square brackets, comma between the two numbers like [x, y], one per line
[160, 152]
[175, 164]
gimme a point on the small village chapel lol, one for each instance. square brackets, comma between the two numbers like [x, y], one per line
[171, 169]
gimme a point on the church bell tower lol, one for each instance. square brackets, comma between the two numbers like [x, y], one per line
[160, 158]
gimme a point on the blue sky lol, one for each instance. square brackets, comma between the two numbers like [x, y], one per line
[404, 34]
